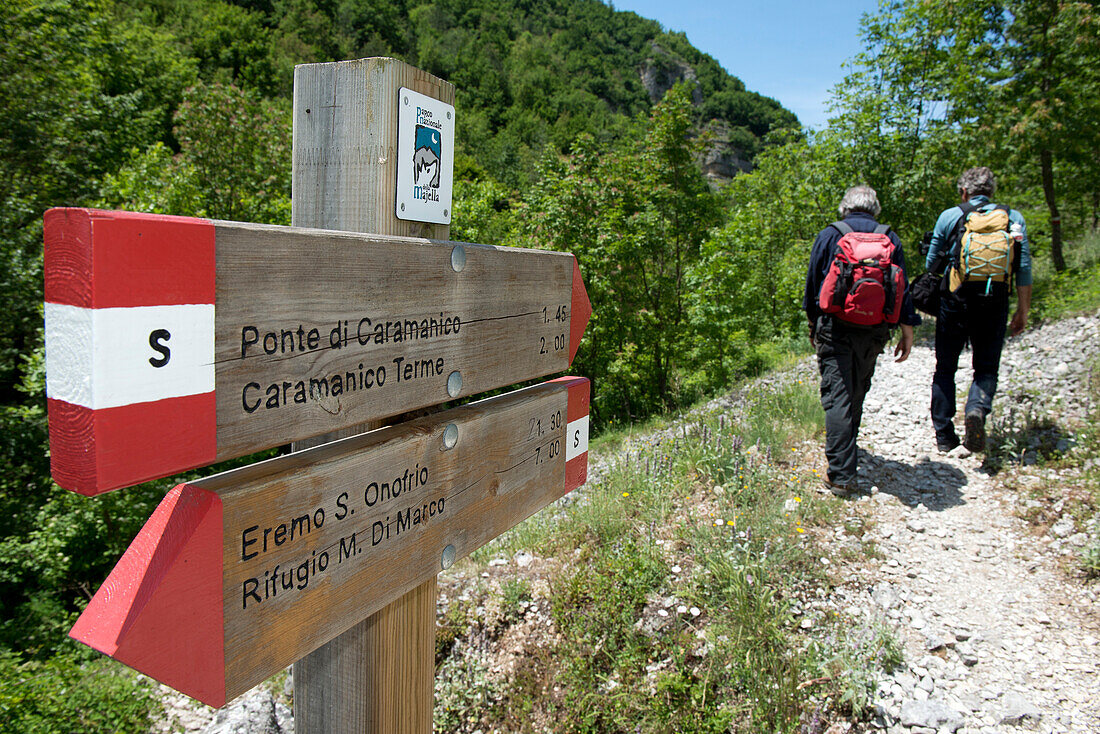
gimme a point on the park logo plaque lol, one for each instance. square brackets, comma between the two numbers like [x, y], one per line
[425, 158]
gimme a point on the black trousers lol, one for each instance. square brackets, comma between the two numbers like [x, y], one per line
[846, 357]
[967, 316]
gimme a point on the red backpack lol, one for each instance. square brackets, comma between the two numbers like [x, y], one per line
[863, 286]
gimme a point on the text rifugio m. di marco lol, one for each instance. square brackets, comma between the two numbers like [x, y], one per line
[407, 499]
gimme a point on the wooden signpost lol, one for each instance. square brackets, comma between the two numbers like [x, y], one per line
[348, 173]
[241, 574]
[174, 342]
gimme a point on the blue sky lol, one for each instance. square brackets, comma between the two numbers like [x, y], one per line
[790, 50]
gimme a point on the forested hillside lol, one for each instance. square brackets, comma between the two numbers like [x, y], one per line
[581, 128]
[183, 107]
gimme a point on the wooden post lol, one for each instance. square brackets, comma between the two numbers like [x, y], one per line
[377, 677]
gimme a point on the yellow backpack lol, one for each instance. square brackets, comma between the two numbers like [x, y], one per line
[986, 249]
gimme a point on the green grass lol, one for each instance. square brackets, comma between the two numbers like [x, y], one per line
[1075, 290]
[1025, 437]
[703, 518]
[1021, 435]
[653, 504]
[847, 658]
[1090, 559]
[614, 438]
[1083, 502]
[779, 416]
[1072, 292]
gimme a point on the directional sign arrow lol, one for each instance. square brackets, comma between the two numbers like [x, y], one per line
[174, 342]
[238, 575]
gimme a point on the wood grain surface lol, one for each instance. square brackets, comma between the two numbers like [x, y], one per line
[345, 144]
[313, 331]
[315, 542]
[344, 177]
[385, 320]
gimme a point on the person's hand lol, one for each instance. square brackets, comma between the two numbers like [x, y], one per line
[1023, 303]
[1018, 323]
[905, 344]
[813, 342]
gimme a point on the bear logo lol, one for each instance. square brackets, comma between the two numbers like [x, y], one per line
[427, 157]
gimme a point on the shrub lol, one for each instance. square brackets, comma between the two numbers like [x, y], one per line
[61, 696]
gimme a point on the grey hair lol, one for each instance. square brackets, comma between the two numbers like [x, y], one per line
[860, 199]
[977, 182]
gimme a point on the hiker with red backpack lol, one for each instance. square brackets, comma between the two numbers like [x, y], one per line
[983, 246]
[856, 292]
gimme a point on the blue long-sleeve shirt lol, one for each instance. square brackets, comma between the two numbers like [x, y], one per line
[949, 219]
[821, 257]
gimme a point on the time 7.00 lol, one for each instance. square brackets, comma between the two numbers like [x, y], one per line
[548, 451]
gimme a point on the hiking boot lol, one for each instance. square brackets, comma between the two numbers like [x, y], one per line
[975, 431]
[946, 445]
[840, 489]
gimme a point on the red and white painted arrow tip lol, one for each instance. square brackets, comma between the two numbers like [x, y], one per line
[580, 312]
[160, 611]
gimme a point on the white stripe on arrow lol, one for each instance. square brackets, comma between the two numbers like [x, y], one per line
[576, 438]
[108, 357]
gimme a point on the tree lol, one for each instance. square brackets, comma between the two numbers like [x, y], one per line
[908, 112]
[77, 92]
[747, 286]
[239, 145]
[1048, 87]
[944, 86]
[636, 219]
[234, 161]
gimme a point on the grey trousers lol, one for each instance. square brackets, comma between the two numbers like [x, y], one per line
[846, 357]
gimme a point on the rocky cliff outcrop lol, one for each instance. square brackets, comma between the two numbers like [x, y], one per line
[722, 160]
[662, 70]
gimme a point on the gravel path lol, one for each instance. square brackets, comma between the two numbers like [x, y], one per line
[997, 635]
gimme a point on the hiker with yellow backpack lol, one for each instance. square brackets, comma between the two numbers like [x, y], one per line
[982, 248]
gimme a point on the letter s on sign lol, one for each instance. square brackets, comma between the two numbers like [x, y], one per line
[155, 338]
